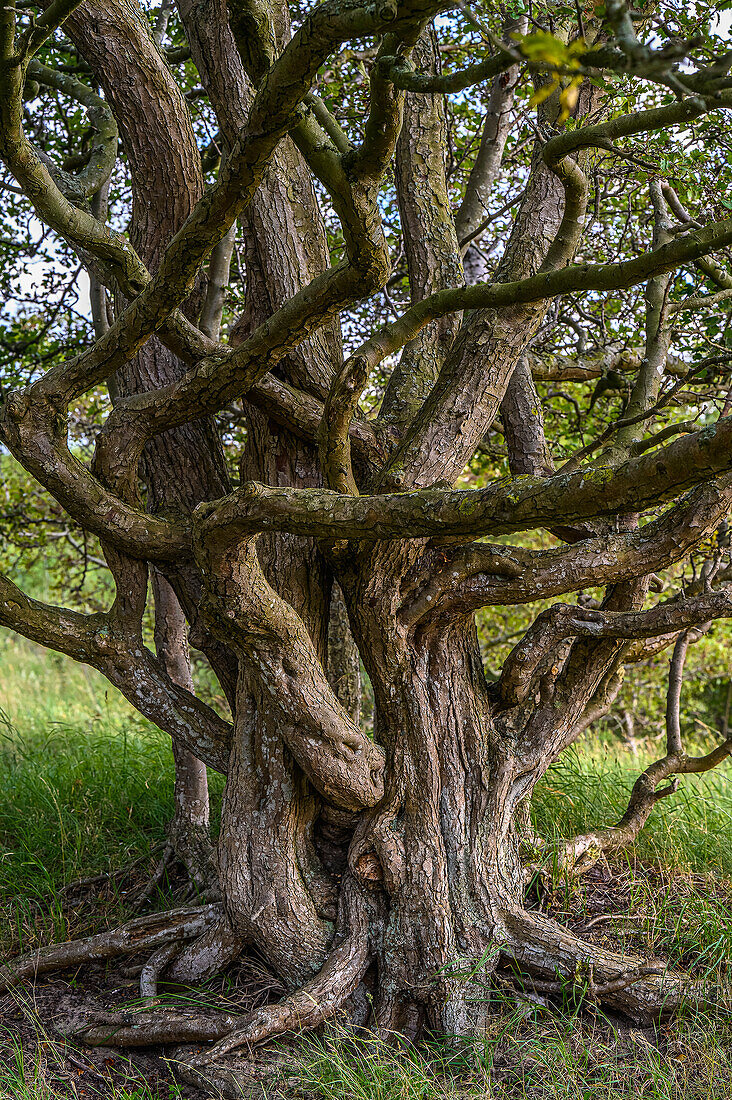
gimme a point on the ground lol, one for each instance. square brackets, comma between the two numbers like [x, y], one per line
[85, 789]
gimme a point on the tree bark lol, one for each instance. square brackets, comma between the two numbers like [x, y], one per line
[388, 863]
[185, 465]
[189, 830]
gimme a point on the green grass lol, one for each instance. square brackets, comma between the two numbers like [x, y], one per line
[86, 787]
[526, 1055]
[590, 786]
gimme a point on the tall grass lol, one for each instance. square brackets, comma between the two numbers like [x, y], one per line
[86, 786]
[589, 786]
[84, 782]
[525, 1055]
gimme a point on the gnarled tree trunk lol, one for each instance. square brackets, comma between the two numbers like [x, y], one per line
[376, 874]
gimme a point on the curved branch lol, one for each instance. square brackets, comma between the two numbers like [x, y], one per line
[217, 380]
[79, 228]
[104, 143]
[228, 375]
[341, 761]
[404, 76]
[550, 284]
[274, 111]
[580, 852]
[480, 364]
[505, 506]
[570, 621]
[465, 578]
[46, 23]
[30, 431]
[106, 643]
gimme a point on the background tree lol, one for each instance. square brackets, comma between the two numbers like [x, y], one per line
[444, 224]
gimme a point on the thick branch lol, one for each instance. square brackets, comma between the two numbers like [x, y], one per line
[430, 241]
[502, 507]
[109, 645]
[31, 431]
[464, 578]
[341, 761]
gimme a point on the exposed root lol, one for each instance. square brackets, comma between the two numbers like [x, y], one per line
[556, 960]
[196, 856]
[269, 1076]
[154, 967]
[154, 930]
[144, 1028]
[319, 998]
[595, 992]
[208, 955]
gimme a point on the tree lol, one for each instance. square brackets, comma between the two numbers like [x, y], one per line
[392, 863]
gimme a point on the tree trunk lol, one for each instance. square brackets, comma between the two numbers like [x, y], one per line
[442, 844]
[389, 864]
[189, 830]
[185, 465]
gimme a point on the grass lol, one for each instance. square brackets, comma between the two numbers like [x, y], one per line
[590, 786]
[526, 1055]
[47, 1069]
[86, 787]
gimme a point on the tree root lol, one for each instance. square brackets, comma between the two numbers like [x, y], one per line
[318, 999]
[308, 1007]
[266, 1077]
[199, 866]
[154, 967]
[154, 930]
[143, 1028]
[556, 960]
[219, 946]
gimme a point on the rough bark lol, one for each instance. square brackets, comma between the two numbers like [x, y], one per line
[185, 465]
